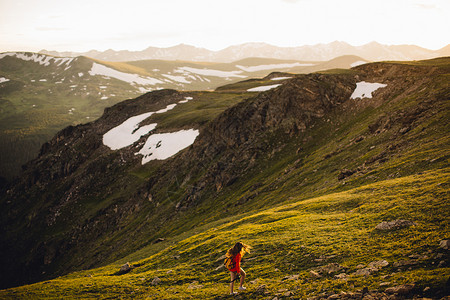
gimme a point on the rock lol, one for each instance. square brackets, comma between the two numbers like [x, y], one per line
[405, 262]
[445, 244]
[404, 130]
[396, 224]
[378, 264]
[194, 285]
[155, 281]
[158, 240]
[288, 294]
[363, 272]
[125, 268]
[292, 277]
[341, 276]
[345, 173]
[330, 268]
[262, 289]
[403, 289]
[314, 274]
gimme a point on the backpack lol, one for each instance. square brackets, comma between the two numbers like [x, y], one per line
[229, 263]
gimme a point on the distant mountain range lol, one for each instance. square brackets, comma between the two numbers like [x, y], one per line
[372, 51]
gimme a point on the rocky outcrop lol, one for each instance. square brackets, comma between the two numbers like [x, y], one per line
[396, 224]
[242, 133]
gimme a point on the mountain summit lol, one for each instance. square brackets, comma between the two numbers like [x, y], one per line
[372, 51]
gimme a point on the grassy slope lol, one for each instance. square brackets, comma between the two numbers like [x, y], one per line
[336, 228]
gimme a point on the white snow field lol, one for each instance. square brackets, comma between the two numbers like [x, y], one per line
[128, 132]
[164, 145]
[272, 66]
[263, 88]
[3, 79]
[280, 78]
[39, 58]
[98, 69]
[210, 72]
[365, 89]
[158, 146]
[357, 63]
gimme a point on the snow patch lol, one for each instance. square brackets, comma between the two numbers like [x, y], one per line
[144, 90]
[164, 145]
[263, 88]
[180, 79]
[272, 66]
[130, 131]
[210, 72]
[3, 79]
[280, 78]
[357, 63]
[38, 58]
[365, 89]
[102, 70]
[186, 99]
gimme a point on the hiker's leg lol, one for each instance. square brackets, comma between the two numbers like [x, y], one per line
[242, 277]
[233, 275]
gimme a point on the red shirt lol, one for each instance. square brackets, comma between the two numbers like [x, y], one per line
[237, 263]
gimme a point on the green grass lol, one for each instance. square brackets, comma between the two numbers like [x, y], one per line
[288, 239]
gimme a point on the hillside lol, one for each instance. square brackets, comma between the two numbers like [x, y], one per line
[41, 94]
[304, 172]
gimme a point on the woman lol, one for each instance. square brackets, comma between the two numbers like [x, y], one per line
[236, 253]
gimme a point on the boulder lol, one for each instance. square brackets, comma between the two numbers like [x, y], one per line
[314, 274]
[125, 268]
[396, 224]
[445, 244]
[345, 173]
[155, 281]
[378, 264]
[403, 289]
[330, 268]
[363, 272]
[262, 289]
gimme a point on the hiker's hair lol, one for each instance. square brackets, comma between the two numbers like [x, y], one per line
[238, 248]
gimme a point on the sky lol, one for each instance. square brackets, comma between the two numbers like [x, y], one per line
[83, 25]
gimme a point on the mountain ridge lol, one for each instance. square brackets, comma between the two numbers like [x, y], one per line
[372, 51]
[41, 94]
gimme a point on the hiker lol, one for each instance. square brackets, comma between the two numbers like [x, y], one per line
[233, 263]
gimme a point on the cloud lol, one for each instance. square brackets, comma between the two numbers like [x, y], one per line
[50, 29]
[426, 6]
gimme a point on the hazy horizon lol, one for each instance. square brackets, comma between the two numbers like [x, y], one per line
[84, 25]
